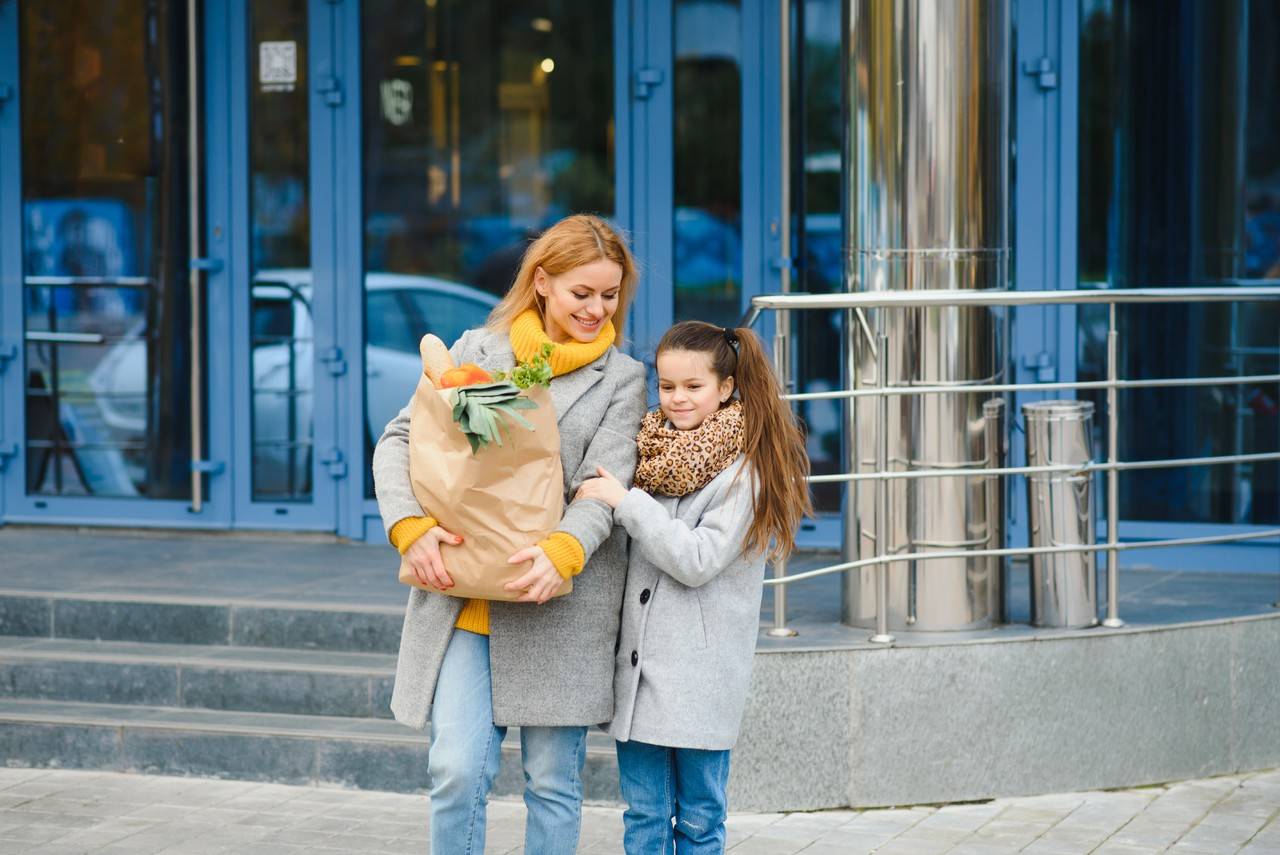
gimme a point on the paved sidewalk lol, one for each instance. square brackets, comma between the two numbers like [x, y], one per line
[63, 812]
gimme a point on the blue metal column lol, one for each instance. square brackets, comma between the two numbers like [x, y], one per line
[347, 266]
[11, 387]
[1043, 339]
[648, 89]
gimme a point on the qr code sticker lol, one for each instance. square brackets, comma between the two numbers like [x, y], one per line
[278, 64]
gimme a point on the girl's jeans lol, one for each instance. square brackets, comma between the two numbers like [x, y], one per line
[464, 754]
[662, 786]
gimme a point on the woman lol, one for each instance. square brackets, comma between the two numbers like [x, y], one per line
[475, 667]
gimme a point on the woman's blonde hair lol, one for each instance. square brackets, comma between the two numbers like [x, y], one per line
[574, 241]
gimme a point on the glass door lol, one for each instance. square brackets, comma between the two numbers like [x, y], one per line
[166, 329]
[284, 368]
[104, 401]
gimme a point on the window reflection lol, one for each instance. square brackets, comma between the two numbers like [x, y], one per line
[104, 193]
[484, 122]
[1179, 186]
[708, 161]
[283, 353]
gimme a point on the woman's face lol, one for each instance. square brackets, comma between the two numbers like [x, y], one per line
[688, 390]
[579, 302]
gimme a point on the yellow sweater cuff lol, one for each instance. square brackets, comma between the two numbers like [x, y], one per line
[565, 553]
[406, 532]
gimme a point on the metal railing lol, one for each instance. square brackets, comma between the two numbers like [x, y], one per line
[857, 303]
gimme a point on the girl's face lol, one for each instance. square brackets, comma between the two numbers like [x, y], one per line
[688, 390]
[579, 302]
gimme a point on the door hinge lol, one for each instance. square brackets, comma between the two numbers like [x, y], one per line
[208, 265]
[334, 361]
[1042, 364]
[335, 462]
[208, 467]
[331, 88]
[7, 452]
[1043, 71]
[8, 352]
[645, 81]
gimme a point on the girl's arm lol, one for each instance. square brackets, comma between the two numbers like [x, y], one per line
[691, 556]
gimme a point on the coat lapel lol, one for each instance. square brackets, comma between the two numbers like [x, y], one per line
[496, 354]
[568, 388]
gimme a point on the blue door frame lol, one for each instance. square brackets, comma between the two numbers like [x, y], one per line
[11, 425]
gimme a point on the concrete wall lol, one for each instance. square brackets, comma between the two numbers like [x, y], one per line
[974, 720]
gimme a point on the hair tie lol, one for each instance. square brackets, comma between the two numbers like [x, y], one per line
[731, 337]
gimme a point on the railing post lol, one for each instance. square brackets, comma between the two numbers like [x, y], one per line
[1113, 475]
[781, 368]
[882, 635]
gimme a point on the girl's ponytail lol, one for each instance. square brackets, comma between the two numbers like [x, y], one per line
[775, 447]
[772, 440]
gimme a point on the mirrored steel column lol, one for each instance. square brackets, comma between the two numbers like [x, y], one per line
[927, 207]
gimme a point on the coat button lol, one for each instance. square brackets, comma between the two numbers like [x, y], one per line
[644, 596]
[635, 659]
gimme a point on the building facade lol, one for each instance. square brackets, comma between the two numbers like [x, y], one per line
[225, 224]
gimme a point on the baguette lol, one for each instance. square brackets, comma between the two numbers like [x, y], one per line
[435, 358]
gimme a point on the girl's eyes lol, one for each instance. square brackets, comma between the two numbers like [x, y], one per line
[612, 296]
[581, 296]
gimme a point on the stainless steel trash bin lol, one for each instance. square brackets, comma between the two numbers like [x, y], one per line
[1064, 590]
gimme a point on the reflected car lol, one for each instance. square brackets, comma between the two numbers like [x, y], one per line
[399, 310]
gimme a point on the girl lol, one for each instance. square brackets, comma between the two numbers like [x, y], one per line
[720, 486]
[475, 667]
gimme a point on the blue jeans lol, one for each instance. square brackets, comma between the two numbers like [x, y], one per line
[675, 799]
[466, 747]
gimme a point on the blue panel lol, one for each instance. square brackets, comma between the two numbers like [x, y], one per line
[224, 55]
[653, 175]
[1044, 209]
[348, 267]
[11, 479]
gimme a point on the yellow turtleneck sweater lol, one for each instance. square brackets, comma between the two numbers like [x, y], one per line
[527, 337]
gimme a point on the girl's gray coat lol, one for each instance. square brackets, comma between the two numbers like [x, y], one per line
[690, 617]
[551, 664]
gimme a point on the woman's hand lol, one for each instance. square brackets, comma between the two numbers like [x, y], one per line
[606, 488]
[427, 562]
[541, 582]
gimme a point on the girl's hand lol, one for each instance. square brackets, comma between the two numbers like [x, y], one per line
[427, 562]
[606, 488]
[541, 582]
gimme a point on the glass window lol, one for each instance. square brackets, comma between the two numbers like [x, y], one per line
[104, 193]
[817, 237]
[280, 228]
[708, 160]
[1179, 186]
[484, 122]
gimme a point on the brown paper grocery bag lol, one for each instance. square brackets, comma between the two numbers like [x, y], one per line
[500, 499]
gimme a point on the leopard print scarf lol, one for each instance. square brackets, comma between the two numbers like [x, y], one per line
[677, 462]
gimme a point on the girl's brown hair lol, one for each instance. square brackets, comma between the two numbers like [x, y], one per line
[574, 241]
[772, 439]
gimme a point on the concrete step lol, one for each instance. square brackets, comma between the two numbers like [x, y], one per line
[366, 754]
[299, 682]
[169, 619]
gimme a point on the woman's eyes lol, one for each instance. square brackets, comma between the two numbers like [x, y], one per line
[581, 296]
[612, 296]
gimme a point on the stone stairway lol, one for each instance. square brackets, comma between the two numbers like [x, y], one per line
[253, 690]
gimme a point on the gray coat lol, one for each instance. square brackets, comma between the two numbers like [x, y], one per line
[551, 664]
[690, 617]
